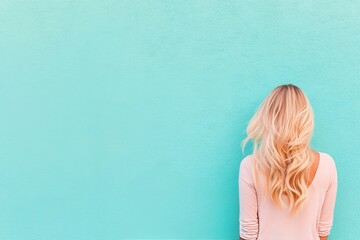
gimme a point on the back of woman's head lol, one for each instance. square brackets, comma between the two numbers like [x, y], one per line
[281, 130]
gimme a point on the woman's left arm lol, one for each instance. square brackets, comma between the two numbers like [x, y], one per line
[248, 208]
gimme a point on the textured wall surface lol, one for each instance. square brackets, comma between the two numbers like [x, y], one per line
[123, 119]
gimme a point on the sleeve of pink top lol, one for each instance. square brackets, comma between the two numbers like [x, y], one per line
[248, 218]
[327, 211]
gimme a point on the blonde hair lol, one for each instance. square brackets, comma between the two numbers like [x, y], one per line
[281, 130]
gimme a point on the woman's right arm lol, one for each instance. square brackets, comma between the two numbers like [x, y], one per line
[327, 211]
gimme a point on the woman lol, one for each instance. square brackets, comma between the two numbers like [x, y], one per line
[287, 191]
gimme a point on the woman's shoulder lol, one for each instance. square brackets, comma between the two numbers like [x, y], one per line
[247, 164]
[246, 168]
[328, 173]
[328, 159]
[247, 160]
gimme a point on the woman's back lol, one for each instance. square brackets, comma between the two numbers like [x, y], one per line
[260, 219]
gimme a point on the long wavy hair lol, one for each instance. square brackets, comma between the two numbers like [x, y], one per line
[281, 130]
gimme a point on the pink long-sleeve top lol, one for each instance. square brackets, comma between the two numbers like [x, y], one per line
[260, 219]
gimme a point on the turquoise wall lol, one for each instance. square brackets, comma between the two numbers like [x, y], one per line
[123, 119]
